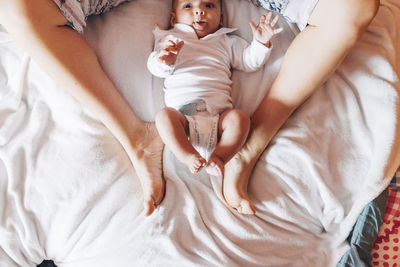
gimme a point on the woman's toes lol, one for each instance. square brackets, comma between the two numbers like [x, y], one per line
[246, 207]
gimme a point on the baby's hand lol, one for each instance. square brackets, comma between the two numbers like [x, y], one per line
[169, 54]
[264, 31]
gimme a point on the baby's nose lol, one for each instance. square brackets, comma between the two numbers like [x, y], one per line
[199, 11]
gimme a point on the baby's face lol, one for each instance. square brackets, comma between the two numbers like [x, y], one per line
[204, 16]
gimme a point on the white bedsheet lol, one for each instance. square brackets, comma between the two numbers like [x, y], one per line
[69, 193]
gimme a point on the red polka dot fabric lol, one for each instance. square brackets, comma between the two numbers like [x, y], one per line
[386, 251]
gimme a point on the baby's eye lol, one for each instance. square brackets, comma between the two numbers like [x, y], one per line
[187, 6]
[210, 5]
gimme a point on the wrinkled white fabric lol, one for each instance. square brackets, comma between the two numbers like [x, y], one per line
[69, 193]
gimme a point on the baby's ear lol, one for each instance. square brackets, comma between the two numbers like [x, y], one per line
[172, 19]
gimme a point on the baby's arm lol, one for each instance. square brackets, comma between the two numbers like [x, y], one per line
[161, 62]
[265, 29]
[252, 57]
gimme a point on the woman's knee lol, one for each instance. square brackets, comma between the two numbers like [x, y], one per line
[22, 13]
[362, 12]
[347, 16]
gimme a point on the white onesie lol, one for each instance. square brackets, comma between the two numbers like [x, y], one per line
[199, 82]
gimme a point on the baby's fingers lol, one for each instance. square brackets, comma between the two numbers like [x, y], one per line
[170, 50]
[173, 48]
[253, 26]
[179, 46]
[276, 31]
[266, 19]
[162, 58]
[274, 21]
[165, 54]
[171, 43]
[170, 47]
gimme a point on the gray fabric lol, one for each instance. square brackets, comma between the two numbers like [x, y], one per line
[364, 233]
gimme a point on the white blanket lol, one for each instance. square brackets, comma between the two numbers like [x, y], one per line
[69, 193]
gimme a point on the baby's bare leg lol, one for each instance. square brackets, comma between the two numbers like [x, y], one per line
[172, 126]
[234, 127]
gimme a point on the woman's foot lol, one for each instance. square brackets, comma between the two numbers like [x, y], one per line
[147, 161]
[215, 166]
[194, 162]
[237, 173]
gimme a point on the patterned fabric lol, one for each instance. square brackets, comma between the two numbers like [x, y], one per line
[393, 206]
[386, 251]
[274, 5]
[395, 183]
[96, 7]
[77, 11]
[294, 11]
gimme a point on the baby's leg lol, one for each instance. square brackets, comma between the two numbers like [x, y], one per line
[234, 127]
[172, 127]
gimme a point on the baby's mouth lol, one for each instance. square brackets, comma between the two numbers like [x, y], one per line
[200, 25]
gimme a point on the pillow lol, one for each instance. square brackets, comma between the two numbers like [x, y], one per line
[123, 40]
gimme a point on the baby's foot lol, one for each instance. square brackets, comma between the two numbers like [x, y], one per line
[215, 166]
[238, 171]
[195, 162]
[147, 161]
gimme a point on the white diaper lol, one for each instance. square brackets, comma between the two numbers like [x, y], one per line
[203, 127]
[203, 133]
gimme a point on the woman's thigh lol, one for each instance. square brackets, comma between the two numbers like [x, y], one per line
[343, 13]
[19, 16]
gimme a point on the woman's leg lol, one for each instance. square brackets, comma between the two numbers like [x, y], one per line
[334, 27]
[234, 126]
[172, 125]
[39, 28]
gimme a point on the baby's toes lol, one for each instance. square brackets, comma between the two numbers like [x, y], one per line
[197, 164]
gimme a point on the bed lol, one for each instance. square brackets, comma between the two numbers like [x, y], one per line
[68, 192]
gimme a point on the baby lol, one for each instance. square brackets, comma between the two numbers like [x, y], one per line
[196, 57]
